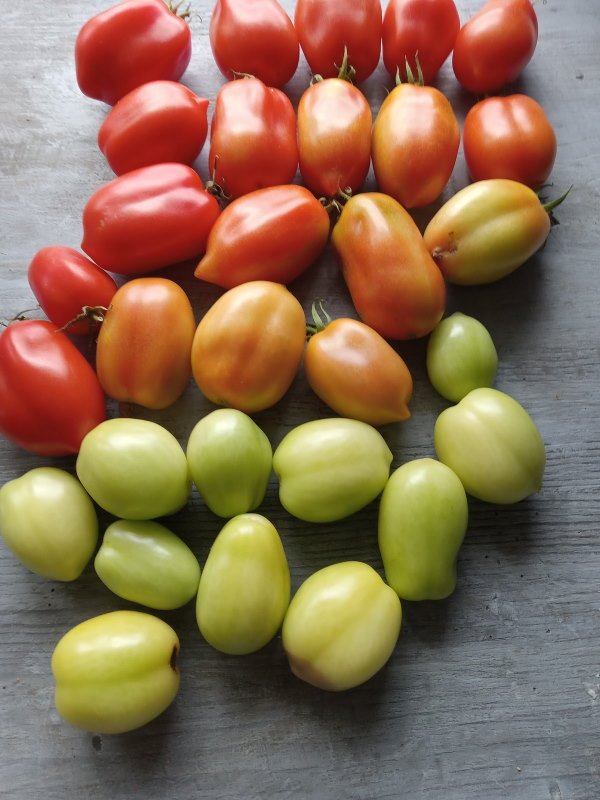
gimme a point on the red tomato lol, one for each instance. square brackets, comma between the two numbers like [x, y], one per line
[252, 138]
[148, 219]
[509, 137]
[158, 122]
[326, 27]
[426, 27]
[414, 145]
[129, 44]
[334, 137]
[254, 37]
[495, 45]
[272, 234]
[51, 397]
[64, 281]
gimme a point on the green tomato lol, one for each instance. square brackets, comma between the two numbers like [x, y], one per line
[146, 563]
[423, 518]
[116, 672]
[342, 626]
[460, 357]
[230, 459]
[493, 445]
[244, 590]
[134, 469]
[49, 522]
[330, 468]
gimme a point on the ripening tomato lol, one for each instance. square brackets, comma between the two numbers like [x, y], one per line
[254, 37]
[495, 45]
[252, 138]
[64, 282]
[509, 137]
[424, 27]
[129, 44]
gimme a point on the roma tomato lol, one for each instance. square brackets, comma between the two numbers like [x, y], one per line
[156, 123]
[424, 27]
[495, 45]
[64, 282]
[144, 345]
[395, 284]
[328, 28]
[129, 44]
[51, 396]
[254, 37]
[271, 234]
[148, 219]
[252, 138]
[509, 137]
[248, 346]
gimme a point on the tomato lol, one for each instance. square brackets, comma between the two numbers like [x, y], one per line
[116, 672]
[248, 346]
[244, 590]
[327, 28]
[158, 122]
[252, 138]
[148, 219]
[334, 137]
[341, 627]
[424, 27]
[493, 445]
[144, 345]
[509, 137]
[330, 468]
[271, 234]
[129, 44]
[495, 45]
[254, 37]
[134, 469]
[64, 281]
[423, 518]
[51, 396]
[395, 285]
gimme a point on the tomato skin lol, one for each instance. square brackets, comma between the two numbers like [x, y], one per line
[148, 219]
[130, 44]
[64, 281]
[414, 145]
[144, 345]
[156, 123]
[334, 137]
[272, 234]
[255, 38]
[395, 285]
[325, 27]
[509, 137]
[51, 396]
[252, 138]
[495, 45]
[426, 27]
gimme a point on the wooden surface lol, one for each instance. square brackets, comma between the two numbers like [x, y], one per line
[491, 695]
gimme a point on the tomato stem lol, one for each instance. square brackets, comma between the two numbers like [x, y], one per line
[410, 76]
[346, 70]
[93, 315]
[552, 204]
[185, 13]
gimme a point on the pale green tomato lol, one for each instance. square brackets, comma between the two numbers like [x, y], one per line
[342, 626]
[146, 563]
[134, 469]
[493, 445]
[460, 357]
[230, 459]
[330, 468]
[423, 518]
[245, 586]
[49, 522]
[116, 672]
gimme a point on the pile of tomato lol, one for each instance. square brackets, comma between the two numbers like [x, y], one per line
[252, 231]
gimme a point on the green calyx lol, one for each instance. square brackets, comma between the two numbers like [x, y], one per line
[319, 322]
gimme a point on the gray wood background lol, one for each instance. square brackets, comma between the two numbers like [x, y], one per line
[494, 693]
